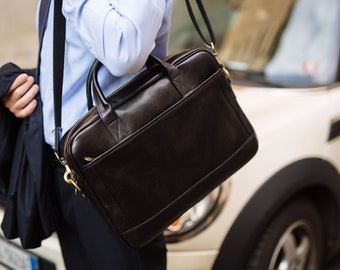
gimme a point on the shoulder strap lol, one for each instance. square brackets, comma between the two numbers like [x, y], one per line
[212, 41]
[58, 67]
[43, 11]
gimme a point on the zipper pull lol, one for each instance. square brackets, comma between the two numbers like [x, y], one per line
[69, 179]
[68, 175]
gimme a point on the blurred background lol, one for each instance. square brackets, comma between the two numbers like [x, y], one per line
[19, 38]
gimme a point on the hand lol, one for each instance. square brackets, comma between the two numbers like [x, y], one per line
[20, 98]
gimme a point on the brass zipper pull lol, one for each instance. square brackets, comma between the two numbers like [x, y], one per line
[69, 179]
[68, 176]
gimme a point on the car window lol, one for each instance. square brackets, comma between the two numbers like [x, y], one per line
[290, 42]
[309, 44]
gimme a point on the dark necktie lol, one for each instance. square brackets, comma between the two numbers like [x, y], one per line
[43, 11]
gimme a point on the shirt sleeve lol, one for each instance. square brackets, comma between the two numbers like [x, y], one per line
[120, 33]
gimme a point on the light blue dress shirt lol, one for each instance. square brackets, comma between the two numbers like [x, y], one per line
[120, 33]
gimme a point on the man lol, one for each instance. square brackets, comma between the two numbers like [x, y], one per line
[121, 34]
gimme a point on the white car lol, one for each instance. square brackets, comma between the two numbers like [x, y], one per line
[281, 210]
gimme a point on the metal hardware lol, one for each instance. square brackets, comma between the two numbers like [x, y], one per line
[214, 51]
[213, 48]
[69, 179]
[68, 175]
[226, 72]
[88, 159]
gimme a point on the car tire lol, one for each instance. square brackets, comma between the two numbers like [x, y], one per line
[292, 240]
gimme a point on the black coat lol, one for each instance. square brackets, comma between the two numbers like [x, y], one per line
[9, 126]
[30, 211]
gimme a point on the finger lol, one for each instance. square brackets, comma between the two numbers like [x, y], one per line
[22, 78]
[26, 98]
[28, 110]
[17, 105]
[21, 89]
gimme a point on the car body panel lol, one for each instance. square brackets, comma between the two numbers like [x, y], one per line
[282, 141]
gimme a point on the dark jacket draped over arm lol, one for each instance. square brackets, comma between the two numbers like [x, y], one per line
[9, 126]
[25, 172]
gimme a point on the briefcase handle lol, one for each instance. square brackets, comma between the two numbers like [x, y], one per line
[104, 108]
[151, 59]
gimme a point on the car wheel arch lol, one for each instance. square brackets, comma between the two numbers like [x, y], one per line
[313, 177]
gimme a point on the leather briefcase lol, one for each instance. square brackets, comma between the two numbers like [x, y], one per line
[151, 150]
[147, 153]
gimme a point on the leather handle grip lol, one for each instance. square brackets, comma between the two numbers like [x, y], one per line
[105, 111]
[171, 70]
[93, 86]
